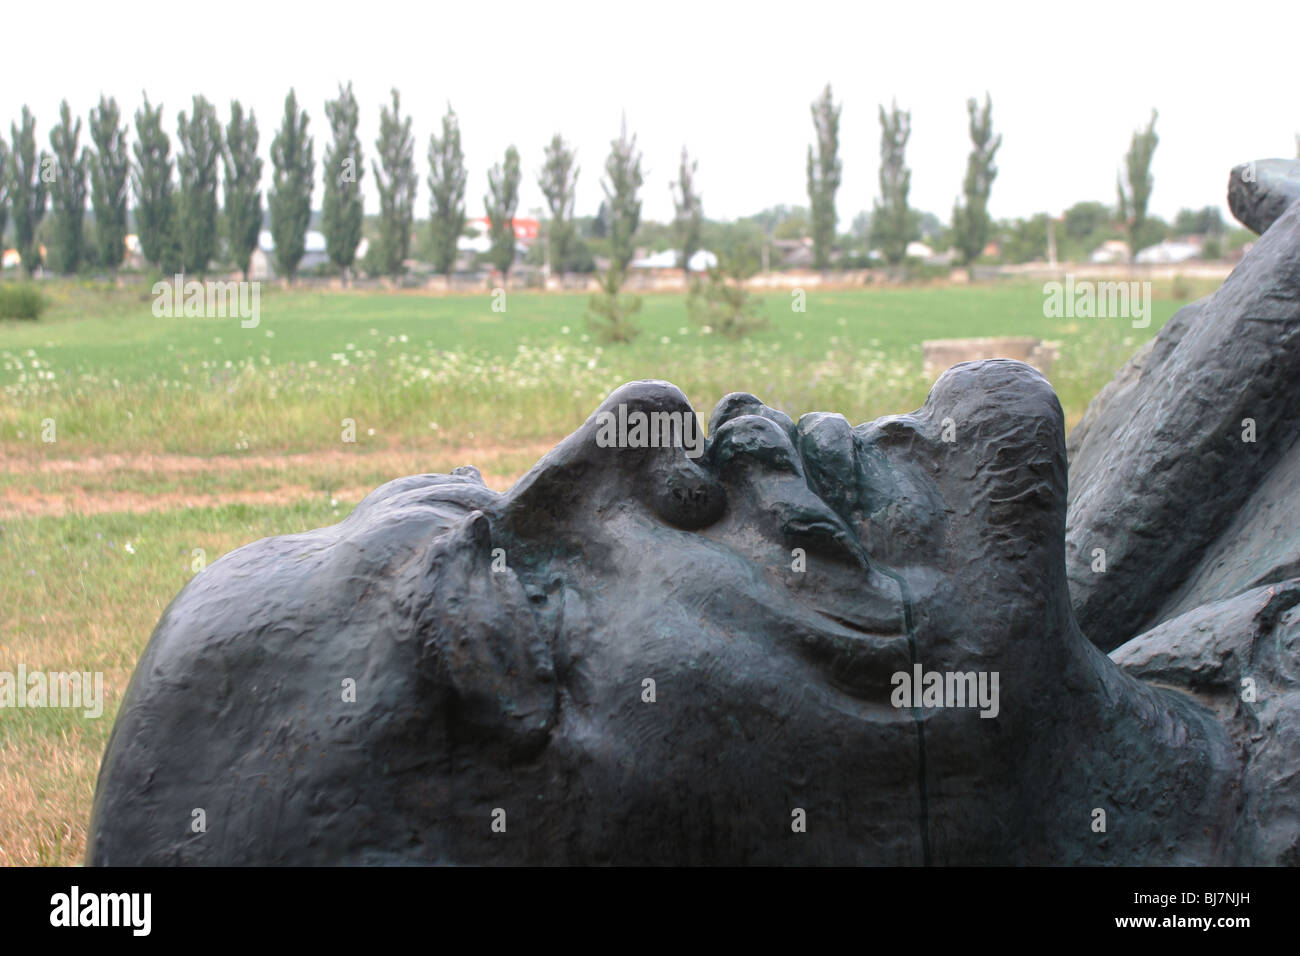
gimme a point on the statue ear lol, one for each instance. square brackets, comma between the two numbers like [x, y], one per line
[483, 643]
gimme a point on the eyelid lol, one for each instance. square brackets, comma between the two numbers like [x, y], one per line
[893, 430]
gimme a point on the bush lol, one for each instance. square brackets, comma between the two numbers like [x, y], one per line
[21, 301]
[723, 304]
[609, 314]
[915, 271]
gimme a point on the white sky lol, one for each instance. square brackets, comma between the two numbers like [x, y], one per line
[732, 81]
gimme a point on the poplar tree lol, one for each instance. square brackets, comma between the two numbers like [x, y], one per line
[559, 180]
[893, 223]
[610, 314]
[199, 135]
[27, 185]
[690, 212]
[501, 201]
[342, 211]
[110, 170]
[1133, 202]
[622, 181]
[68, 192]
[971, 225]
[397, 183]
[291, 187]
[447, 176]
[824, 176]
[243, 180]
[155, 202]
[4, 188]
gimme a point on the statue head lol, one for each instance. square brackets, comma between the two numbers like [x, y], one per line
[795, 642]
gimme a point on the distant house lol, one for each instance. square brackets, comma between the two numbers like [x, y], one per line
[12, 258]
[477, 236]
[1171, 250]
[475, 240]
[1112, 250]
[262, 263]
[134, 258]
[793, 253]
[701, 261]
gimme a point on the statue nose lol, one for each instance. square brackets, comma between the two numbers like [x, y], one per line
[826, 445]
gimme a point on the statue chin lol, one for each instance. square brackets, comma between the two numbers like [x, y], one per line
[795, 642]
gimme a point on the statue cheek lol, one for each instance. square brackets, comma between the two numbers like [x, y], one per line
[903, 518]
[486, 648]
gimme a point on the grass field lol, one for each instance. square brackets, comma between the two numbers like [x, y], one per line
[182, 438]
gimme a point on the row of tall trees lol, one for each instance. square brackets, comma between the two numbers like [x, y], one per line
[894, 224]
[175, 197]
[182, 227]
[176, 212]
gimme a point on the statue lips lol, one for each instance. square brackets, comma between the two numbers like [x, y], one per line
[853, 657]
[856, 631]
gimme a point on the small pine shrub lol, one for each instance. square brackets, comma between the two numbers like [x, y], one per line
[21, 300]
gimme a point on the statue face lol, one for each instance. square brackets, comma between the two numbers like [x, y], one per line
[639, 654]
[726, 629]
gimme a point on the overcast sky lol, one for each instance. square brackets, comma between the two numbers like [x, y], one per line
[733, 82]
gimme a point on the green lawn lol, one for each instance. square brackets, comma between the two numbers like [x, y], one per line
[431, 370]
